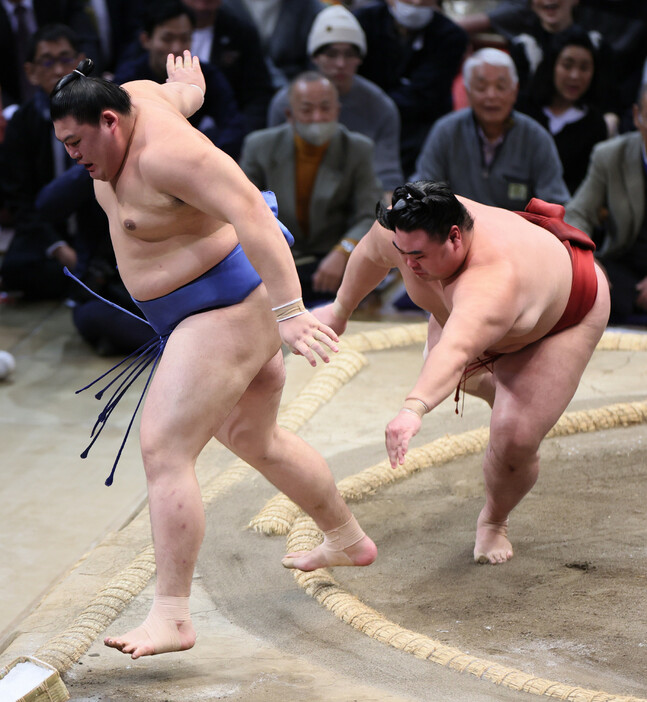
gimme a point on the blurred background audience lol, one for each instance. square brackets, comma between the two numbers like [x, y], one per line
[562, 99]
[413, 52]
[393, 89]
[167, 29]
[610, 207]
[489, 152]
[283, 26]
[337, 46]
[230, 42]
[323, 179]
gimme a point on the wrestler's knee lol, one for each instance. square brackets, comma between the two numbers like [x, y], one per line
[514, 442]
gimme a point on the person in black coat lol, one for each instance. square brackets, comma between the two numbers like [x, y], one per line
[414, 57]
[30, 158]
[562, 98]
[232, 43]
[168, 28]
[43, 12]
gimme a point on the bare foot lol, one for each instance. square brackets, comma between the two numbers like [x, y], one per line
[492, 545]
[163, 631]
[362, 553]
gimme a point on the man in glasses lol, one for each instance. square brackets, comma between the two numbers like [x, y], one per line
[31, 158]
[516, 312]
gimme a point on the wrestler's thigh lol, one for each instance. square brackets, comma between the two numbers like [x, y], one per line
[249, 427]
[208, 363]
[535, 385]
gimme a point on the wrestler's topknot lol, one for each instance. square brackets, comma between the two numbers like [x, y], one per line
[424, 204]
[84, 98]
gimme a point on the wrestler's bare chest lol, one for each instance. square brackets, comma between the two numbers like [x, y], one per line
[137, 211]
[160, 242]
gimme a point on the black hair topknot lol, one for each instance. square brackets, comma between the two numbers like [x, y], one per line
[424, 204]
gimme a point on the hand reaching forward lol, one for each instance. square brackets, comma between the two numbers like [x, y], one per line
[185, 69]
[305, 335]
[399, 431]
[326, 314]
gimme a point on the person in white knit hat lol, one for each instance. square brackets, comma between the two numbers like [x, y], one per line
[337, 45]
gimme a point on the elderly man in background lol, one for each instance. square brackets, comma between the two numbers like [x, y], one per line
[324, 182]
[489, 152]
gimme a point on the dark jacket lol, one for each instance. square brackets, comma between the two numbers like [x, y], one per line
[417, 72]
[70, 12]
[218, 118]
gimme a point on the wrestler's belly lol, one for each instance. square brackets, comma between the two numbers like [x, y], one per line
[151, 269]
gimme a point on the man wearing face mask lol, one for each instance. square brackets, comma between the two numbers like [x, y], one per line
[413, 52]
[323, 178]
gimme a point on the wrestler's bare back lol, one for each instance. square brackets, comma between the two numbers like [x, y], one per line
[510, 260]
[160, 242]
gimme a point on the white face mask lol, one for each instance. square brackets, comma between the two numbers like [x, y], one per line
[316, 133]
[410, 16]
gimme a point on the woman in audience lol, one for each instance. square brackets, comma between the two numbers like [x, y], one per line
[563, 97]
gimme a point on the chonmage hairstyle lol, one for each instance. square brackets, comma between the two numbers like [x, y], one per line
[427, 205]
[83, 98]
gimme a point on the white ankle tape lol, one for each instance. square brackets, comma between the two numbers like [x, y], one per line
[172, 608]
[343, 536]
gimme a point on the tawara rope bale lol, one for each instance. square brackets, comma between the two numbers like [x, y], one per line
[320, 585]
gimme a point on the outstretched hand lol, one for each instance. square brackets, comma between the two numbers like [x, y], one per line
[326, 314]
[185, 69]
[399, 431]
[305, 335]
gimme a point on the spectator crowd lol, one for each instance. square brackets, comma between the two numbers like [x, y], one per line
[332, 105]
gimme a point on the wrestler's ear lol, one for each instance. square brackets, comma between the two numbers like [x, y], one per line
[110, 120]
[455, 235]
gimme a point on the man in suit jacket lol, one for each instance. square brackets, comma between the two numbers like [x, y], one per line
[37, 14]
[232, 43]
[30, 158]
[323, 178]
[610, 206]
[167, 29]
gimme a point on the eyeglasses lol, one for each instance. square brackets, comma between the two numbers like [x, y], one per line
[48, 61]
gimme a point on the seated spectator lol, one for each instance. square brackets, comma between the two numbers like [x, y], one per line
[323, 179]
[336, 45]
[610, 207]
[31, 158]
[168, 27]
[489, 152]
[117, 24]
[622, 24]
[107, 330]
[19, 19]
[529, 48]
[283, 26]
[413, 53]
[232, 43]
[562, 98]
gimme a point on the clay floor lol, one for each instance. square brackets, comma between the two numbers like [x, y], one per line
[565, 619]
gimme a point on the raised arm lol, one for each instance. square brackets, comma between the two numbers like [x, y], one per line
[185, 85]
